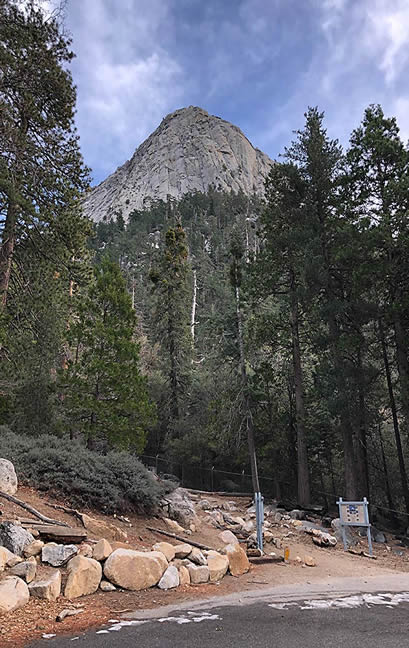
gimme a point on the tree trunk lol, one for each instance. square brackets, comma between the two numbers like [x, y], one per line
[401, 460]
[361, 445]
[6, 251]
[350, 473]
[303, 478]
[249, 417]
[194, 304]
[385, 471]
[403, 366]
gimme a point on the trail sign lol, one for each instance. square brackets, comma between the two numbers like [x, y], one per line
[354, 514]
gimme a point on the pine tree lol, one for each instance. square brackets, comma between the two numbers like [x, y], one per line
[41, 168]
[170, 279]
[104, 394]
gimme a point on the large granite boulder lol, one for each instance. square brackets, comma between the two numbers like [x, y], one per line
[218, 565]
[170, 578]
[238, 561]
[84, 577]
[135, 570]
[14, 594]
[8, 477]
[48, 588]
[14, 537]
[58, 555]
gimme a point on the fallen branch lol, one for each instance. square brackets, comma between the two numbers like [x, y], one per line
[31, 510]
[180, 539]
[70, 511]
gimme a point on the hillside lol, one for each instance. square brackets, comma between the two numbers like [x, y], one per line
[190, 151]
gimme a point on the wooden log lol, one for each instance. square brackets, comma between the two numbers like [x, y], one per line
[31, 510]
[61, 534]
[168, 534]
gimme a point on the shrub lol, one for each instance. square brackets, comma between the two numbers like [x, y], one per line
[115, 482]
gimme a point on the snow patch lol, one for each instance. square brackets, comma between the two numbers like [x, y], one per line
[348, 602]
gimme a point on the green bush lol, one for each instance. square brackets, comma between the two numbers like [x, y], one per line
[115, 482]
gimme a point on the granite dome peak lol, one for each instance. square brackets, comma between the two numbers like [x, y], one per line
[189, 151]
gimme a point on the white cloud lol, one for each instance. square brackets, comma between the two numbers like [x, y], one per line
[126, 81]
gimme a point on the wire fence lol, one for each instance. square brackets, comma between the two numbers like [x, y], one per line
[207, 479]
[214, 479]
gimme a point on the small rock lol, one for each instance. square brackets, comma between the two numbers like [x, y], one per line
[298, 560]
[204, 505]
[278, 543]
[33, 549]
[296, 514]
[102, 550]
[268, 536]
[57, 555]
[309, 561]
[14, 594]
[229, 506]
[182, 550]
[198, 573]
[25, 570]
[84, 577]
[239, 520]
[8, 559]
[296, 523]
[166, 548]
[86, 550]
[14, 537]
[227, 537]
[248, 526]
[170, 578]
[8, 477]
[197, 557]
[277, 517]
[48, 589]
[106, 586]
[238, 561]
[216, 518]
[184, 576]
[174, 526]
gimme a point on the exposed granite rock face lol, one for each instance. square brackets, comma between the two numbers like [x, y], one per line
[189, 151]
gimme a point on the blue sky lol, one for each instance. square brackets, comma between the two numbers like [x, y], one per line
[256, 63]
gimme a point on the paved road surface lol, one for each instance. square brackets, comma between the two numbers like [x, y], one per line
[319, 620]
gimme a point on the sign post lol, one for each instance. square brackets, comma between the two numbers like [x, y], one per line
[355, 514]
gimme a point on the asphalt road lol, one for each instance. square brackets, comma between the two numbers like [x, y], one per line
[368, 625]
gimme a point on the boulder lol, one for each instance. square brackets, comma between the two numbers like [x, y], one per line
[198, 573]
[248, 526]
[14, 537]
[8, 477]
[106, 586]
[57, 555]
[182, 550]
[174, 526]
[33, 549]
[239, 520]
[215, 518]
[135, 570]
[170, 578]
[25, 570]
[84, 577]
[229, 506]
[197, 557]
[204, 505]
[184, 576]
[350, 536]
[14, 594]
[48, 589]
[8, 559]
[297, 514]
[180, 507]
[238, 561]
[98, 528]
[227, 537]
[166, 548]
[218, 565]
[102, 550]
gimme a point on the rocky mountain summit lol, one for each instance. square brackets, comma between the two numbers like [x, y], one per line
[189, 151]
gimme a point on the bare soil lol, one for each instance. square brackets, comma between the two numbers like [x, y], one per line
[21, 627]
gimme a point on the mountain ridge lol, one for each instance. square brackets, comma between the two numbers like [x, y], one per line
[189, 151]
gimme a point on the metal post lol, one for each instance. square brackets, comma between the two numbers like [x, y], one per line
[258, 501]
[368, 528]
